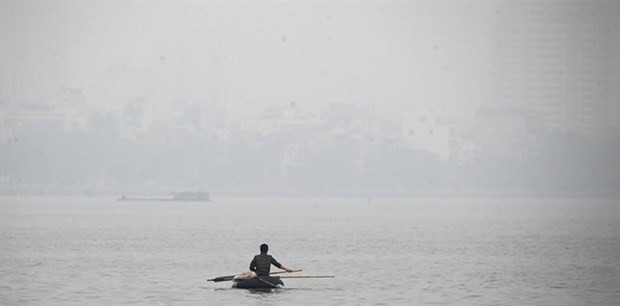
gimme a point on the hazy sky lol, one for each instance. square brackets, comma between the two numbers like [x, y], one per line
[243, 54]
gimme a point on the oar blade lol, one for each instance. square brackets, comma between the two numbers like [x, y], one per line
[221, 279]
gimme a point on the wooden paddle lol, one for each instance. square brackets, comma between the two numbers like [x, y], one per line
[308, 276]
[230, 277]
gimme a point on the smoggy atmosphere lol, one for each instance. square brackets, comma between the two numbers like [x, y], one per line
[462, 98]
[310, 152]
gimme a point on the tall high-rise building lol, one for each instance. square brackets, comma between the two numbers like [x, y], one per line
[553, 58]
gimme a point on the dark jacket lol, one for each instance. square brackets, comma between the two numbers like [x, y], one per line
[261, 264]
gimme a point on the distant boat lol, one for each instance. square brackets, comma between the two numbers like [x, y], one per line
[198, 196]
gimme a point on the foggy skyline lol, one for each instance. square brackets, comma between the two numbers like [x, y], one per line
[465, 92]
[240, 55]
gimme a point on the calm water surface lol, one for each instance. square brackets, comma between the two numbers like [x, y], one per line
[97, 251]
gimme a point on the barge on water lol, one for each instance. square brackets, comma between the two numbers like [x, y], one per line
[198, 196]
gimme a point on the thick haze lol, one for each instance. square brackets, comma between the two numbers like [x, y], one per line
[316, 98]
[241, 54]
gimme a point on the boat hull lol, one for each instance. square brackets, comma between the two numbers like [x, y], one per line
[259, 282]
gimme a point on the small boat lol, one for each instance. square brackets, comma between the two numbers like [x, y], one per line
[259, 282]
[249, 280]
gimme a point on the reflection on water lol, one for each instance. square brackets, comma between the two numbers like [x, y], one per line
[76, 251]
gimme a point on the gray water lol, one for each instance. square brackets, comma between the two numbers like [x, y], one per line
[98, 251]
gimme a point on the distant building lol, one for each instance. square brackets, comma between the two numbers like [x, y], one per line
[354, 120]
[67, 110]
[15, 118]
[73, 102]
[427, 131]
[136, 118]
[506, 132]
[553, 59]
[279, 118]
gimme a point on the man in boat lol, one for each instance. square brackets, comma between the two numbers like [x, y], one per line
[261, 264]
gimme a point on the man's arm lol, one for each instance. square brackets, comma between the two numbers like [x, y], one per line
[277, 264]
[253, 264]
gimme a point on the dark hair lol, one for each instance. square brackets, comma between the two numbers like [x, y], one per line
[264, 248]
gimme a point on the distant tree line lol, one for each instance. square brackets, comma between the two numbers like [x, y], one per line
[52, 159]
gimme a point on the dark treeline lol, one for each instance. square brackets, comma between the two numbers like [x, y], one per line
[100, 159]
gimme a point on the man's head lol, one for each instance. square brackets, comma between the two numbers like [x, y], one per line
[264, 248]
